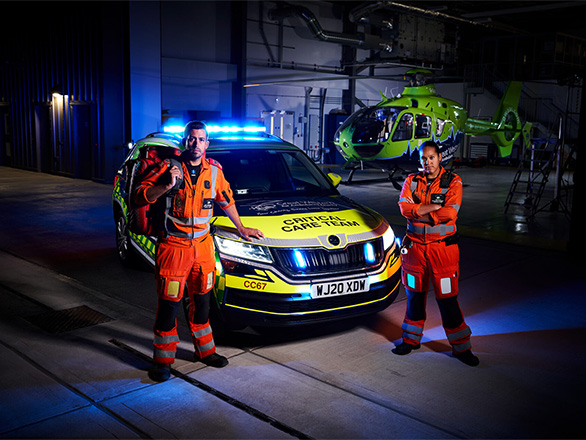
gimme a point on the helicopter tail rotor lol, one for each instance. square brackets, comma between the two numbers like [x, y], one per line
[507, 119]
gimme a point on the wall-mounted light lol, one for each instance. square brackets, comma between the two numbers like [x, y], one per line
[56, 91]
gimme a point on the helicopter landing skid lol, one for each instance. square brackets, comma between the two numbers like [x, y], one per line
[390, 178]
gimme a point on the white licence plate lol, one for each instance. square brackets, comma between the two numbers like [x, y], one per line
[327, 290]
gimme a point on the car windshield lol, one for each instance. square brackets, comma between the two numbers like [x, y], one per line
[267, 173]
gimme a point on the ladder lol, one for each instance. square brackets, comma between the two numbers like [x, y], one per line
[535, 165]
[564, 185]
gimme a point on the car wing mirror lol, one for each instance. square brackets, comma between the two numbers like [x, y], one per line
[336, 179]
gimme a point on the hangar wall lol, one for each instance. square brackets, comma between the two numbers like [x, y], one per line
[145, 67]
[149, 62]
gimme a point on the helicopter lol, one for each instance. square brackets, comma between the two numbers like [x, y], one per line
[389, 133]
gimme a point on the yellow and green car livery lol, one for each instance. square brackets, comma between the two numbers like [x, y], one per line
[324, 257]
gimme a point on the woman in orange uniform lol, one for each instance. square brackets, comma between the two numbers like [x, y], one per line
[430, 201]
[185, 249]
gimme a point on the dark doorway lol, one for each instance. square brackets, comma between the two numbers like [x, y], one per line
[42, 139]
[5, 153]
[81, 139]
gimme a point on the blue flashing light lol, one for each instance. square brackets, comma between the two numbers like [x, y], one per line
[234, 129]
[369, 255]
[299, 259]
[173, 129]
[213, 129]
[255, 129]
[239, 138]
[398, 241]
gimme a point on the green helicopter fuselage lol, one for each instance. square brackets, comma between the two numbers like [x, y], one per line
[396, 127]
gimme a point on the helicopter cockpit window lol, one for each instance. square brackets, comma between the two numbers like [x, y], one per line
[439, 129]
[404, 130]
[374, 124]
[422, 126]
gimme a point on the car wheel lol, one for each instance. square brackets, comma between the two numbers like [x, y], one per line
[123, 246]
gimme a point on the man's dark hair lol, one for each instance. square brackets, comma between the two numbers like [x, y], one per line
[194, 125]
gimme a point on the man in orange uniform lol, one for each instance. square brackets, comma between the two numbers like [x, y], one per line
[430, 201]
[185, 249]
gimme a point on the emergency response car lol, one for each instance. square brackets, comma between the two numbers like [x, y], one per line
[324, 256]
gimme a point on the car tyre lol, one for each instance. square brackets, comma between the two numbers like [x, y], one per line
[123, 246]
[219, 325]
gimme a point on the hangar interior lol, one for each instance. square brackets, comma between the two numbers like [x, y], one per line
[79, 81]
[76, 93]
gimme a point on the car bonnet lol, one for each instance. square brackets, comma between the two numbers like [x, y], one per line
[332, 221]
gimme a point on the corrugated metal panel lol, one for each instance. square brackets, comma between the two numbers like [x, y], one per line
[57, 47]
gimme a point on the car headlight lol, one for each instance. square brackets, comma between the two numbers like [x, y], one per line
[247, 251]
[388, 238]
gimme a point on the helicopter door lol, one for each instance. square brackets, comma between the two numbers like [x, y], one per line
[422, 127]
[404, 130]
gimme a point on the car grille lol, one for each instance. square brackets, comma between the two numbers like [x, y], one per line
[323, 261]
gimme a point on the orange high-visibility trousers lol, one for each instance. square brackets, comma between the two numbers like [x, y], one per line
[183, 263]
[437, 263]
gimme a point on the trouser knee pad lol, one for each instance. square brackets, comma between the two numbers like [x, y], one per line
[201, 308]
[166, 314]
[450, 310]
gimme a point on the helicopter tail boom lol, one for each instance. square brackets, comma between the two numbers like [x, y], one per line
[506, 126]
[508, 120]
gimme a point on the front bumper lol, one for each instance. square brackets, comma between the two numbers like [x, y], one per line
[263, 308]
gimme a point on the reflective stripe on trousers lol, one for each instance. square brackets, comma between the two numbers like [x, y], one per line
[459, 338]
[165, 346]
[412, 331]
[203, 340]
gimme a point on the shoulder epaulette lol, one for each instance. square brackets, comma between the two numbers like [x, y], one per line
[446, 179]
[215, 163]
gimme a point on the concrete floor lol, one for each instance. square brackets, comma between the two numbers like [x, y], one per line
[521, 294]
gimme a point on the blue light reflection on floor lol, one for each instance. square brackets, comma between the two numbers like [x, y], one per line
[546, 310]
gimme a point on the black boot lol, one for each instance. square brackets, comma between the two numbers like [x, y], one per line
[468, 358]
[404, 348]
[213, 360]
[160, 372]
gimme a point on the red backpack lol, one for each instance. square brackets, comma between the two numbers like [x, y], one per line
[145, 219]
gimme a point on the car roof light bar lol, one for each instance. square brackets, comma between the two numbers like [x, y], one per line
[234, 129]
[173, 129]
[219, 129]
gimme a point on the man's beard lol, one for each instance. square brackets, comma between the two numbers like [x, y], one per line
[189, 154]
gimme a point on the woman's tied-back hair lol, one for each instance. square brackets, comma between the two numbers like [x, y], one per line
[432, 144]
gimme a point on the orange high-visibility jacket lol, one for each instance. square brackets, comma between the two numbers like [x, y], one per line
[188, 212]
[448, 189]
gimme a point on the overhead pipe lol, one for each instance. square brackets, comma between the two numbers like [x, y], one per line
[440, 16]
[371, 14]
[361, 41]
